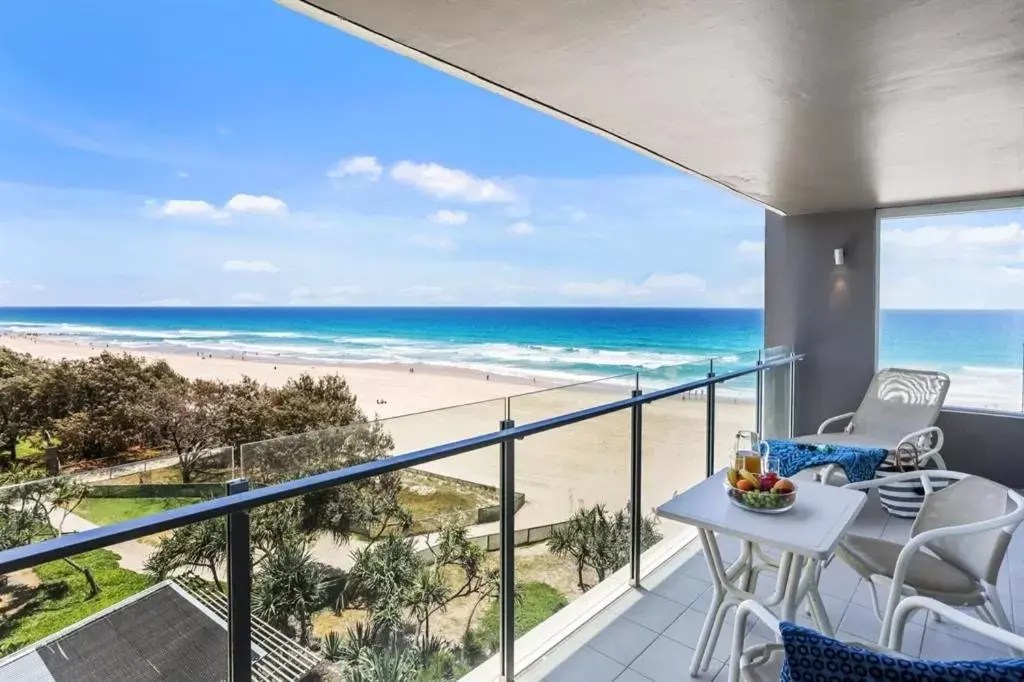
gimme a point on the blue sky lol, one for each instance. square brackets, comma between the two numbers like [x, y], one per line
[210, 152]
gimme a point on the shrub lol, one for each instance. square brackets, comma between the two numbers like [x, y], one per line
[538, 602]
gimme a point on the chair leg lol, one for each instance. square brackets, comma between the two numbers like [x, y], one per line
[995, 607]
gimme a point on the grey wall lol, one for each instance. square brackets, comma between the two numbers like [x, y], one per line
[986, 444]
[823, 310]
[829, 313]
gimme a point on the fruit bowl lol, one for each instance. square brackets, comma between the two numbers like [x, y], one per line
[761, 493]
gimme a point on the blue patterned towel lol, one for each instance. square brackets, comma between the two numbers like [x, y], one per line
[859, 464]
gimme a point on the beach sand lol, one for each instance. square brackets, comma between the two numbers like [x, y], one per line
[585, 463]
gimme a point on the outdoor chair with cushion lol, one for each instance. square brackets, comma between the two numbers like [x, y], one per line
[811, 655]
[956, 546]
[900, 407]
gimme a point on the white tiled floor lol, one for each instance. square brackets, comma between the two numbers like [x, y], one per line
[649, 634]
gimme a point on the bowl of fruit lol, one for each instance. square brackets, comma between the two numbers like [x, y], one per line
[762, 493]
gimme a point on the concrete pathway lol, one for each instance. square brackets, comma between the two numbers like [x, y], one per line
[133, 553]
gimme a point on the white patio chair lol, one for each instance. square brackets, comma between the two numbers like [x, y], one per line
[763, 662]
[956, 547]
[900, 406]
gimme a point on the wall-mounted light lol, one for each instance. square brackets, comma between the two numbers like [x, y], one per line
[839, 256]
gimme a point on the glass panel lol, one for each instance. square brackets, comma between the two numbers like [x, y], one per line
[144, 588]
[674, 453]
[574, 483]
[399, 569]
[777, 396]
[735, 406]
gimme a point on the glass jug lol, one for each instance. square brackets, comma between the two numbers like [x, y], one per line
[753, 457]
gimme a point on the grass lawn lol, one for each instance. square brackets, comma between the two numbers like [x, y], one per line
[106, 510]
[539, 601]
[169, 475]
[430, 498]
[60, 599]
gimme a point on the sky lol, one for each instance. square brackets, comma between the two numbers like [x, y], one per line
[233, 152]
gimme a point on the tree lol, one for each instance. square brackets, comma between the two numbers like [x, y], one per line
[595, 538]
[188, 420]
[383, 577]
[99, 407]
[197, 546]
[20, 376]
[370, 506]
[37, 510]
[288, 590]
[307, 404]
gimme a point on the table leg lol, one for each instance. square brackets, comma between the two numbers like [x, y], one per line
[718, 577]
[792, 597]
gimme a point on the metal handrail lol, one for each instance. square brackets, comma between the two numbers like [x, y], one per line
[65, 546]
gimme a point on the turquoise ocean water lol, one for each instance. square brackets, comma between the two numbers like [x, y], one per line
[981, 350]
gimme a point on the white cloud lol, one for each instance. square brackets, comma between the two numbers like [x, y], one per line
[248, 298]
[679, 280]
[1000, 234]
[168, 303]
[333, 295]
[249, 266]
[4, 282]
[433, 241]
[38, 287]
[189, 208]
[929, 236]
[916, 238]
[450, 183]
[750, 247]
[610, 288]
[223, 130]
[182, 174]
[251, 203]
[447, 217]
[576, 215]
[367, 167]
[520, 229]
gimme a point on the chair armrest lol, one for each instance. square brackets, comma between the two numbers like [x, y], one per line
[919, 541]
[910, 605]
[846, 416]
[916, 436]
[745, 609]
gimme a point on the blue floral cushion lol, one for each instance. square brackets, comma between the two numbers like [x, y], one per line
[813, 657]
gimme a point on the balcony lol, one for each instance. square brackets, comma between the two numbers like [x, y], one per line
[649, 633]
[634, 617]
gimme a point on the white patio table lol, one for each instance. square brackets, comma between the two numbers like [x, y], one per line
[805, 535]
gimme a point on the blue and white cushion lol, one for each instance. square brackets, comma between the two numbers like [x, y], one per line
[813, 657]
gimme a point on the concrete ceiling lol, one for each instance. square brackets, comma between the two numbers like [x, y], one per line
[803, 105]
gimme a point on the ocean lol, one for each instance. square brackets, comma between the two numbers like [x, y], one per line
[982, 351]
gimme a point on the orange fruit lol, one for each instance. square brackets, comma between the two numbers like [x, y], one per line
[783, 487]
[744, 485]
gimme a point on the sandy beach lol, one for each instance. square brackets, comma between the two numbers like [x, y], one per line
[586, 463]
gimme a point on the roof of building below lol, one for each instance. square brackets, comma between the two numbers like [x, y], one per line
[164, 633]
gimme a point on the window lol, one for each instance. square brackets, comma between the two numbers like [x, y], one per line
[952, 299]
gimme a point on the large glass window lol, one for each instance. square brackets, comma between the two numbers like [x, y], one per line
[952, 299]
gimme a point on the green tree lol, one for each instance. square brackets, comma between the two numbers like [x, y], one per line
[197, 546]
[99, 407]
[187, 419]
[600, 540]
[288, 589]
[20, 376]
[382, 578]
[37, 510]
